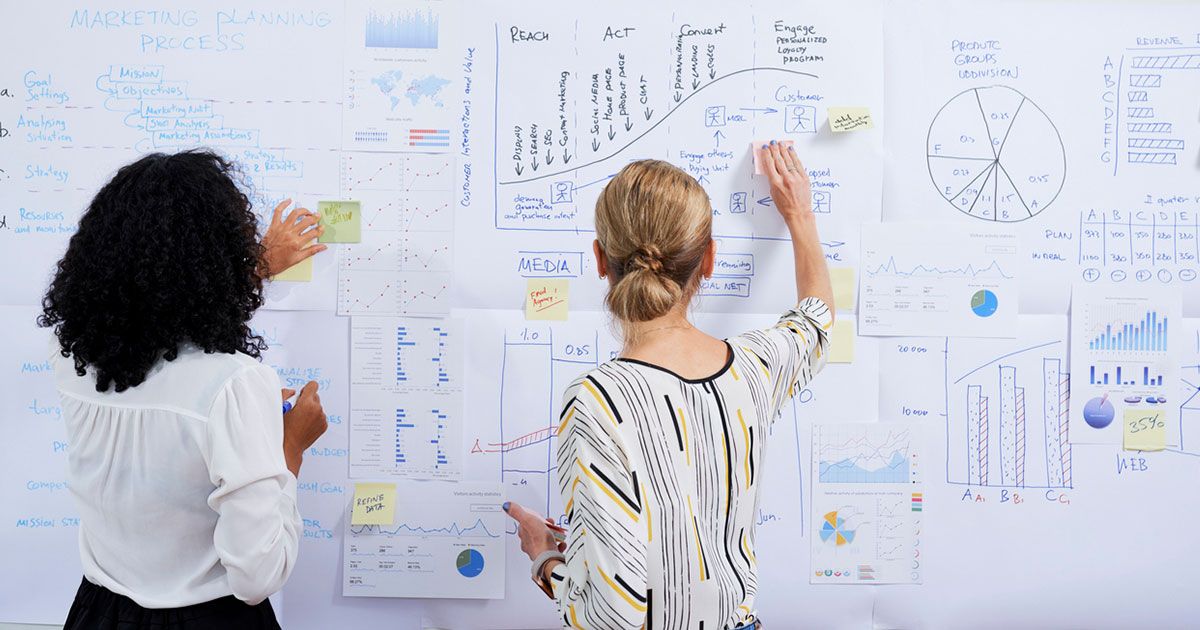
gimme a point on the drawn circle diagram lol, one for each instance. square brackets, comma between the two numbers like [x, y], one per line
[984, 303]
[470, 563]
[834, 528]
[995, 155]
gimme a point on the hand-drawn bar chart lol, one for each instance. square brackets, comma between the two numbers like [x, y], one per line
[1151, 111]
[995, 155]
[538, 364]
[1007, 412]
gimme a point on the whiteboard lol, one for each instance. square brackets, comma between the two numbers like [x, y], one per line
[1083, 544]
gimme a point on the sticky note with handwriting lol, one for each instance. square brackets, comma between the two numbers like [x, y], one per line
[374, 504]
[1145, 430]
[841, 341]
[342, 221]
[546, 298]
[756, 149]
[299, 272]
[844, 288]
[842, 119]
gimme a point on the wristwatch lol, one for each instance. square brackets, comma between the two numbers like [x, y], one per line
[539, 563]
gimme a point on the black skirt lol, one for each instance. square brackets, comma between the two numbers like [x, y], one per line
[97, 608]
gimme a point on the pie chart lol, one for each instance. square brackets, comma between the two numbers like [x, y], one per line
[470, 563]
[1098, 412]
[984, 303]
[834, 529]
[995, 155]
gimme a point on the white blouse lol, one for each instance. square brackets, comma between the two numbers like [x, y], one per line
[181, 482]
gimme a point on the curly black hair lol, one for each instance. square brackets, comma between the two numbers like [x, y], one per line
[167, 253]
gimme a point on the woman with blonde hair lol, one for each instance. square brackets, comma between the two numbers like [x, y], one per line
[660, 449]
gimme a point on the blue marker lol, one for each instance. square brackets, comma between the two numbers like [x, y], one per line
[290, 402]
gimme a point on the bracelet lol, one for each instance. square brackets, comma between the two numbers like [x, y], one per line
[540, 562]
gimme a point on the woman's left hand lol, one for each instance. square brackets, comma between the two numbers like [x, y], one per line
[536, 534]
[286, 241]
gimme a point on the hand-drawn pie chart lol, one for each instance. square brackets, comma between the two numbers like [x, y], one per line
[995, 155]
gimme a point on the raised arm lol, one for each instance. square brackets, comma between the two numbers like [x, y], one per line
[289, 240]
[792, 193]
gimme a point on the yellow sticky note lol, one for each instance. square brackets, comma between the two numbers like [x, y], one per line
[849, 119]
[844, 288]
[374, 504]
[546, 298]
[299, 272]
[1145, 430]
[342, 221]
[841, 341]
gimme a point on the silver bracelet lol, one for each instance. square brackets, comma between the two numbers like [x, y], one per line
[540, 562]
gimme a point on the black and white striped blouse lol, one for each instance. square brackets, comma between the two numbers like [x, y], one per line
[659, 477]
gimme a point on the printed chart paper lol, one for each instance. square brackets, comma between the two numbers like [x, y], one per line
[405, 398]
[922, 279]
[401, 91]
[1125, 355]
[447, 541]
[403, 261]
[867, 503]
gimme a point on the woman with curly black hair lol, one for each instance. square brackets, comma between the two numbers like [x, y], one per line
[182, 467]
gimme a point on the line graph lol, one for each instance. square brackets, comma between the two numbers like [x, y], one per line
[660, 121]
[403, 264]
[993, 269]
[476, 529]
[550, 183]
[881, 457]
[448, 541]
[923, 280]
[867, 486]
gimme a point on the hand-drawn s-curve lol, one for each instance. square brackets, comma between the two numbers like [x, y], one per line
[660, 121]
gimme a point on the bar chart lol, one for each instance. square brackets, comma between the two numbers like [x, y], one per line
[401, 29]
[1147, 335]
[406, 398]
[1007, 420]
[1125, 349]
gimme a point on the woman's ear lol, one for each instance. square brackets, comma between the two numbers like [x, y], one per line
[601, 259]
[710, 260]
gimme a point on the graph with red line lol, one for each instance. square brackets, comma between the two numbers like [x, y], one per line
[404, 262]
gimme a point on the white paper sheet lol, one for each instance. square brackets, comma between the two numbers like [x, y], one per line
[406, 398]
[1125, 352]
[447, 542]
[868, 500]
[401, 75]
[927, 279]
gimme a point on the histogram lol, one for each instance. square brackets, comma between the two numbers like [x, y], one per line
[1148, 335]
[402, 30]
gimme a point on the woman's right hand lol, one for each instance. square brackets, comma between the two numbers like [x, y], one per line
[302, 426]
[791, 189]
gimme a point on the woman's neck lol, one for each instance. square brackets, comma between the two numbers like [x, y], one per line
[641, 337]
